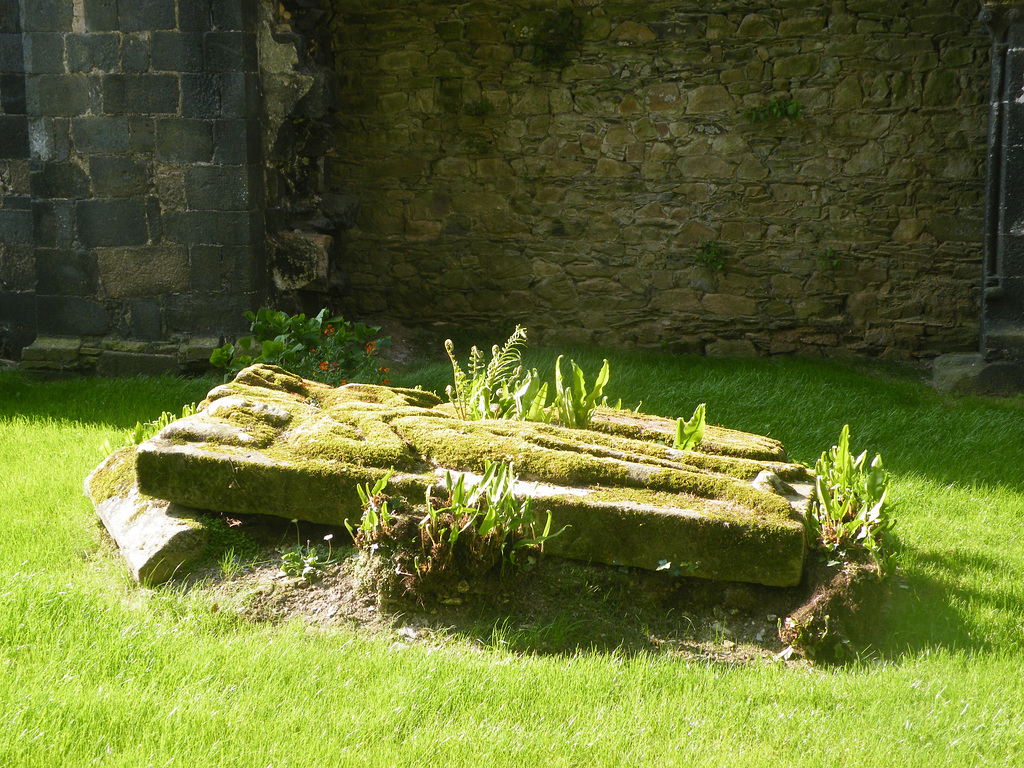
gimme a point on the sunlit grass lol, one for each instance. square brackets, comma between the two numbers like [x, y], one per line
[94, 670]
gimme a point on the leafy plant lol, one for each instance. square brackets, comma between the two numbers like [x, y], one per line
[555, 34]
[781, 107]
[711, 254]
[327, 349]
[500, 390]
[574, 405]
[849, 505]
[477, 526]
[486, 391]
[478, 108]
[477, 144]
[828, 259]
[304, 561]
[690, 433]
[376, 520]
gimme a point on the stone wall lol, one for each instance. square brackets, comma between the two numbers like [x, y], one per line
[560, 165]
[131, 211]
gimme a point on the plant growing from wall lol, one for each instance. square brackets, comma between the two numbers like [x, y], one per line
[849, 509]
[555, 35]
[828, 259]
[779, 108]
[710, 254]
[322, 348]
[478, 108]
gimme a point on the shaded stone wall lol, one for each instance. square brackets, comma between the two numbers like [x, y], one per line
[17, 315]
[502, 176]
[133, 170]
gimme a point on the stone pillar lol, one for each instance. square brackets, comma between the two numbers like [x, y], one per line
[143, 207]
[1003, 302]
[17, 275]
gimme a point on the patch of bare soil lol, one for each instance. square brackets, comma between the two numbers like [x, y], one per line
[564, 606]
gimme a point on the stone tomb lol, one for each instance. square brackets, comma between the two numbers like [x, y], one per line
[272, 443]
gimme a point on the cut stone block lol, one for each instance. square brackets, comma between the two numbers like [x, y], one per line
[272, 443]
[156, 537]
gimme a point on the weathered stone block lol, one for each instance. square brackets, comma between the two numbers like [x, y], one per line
[118, 176]
[71, 316]
[53, 349]
[729, 305]
[15, 226]
[211, 227]
[135, 53]
[176, 51]
[200, 95]
[100, 134]
[219, 187]
[145, 15]
[800, 65]
[100, 15]
[131, 272]
[708, 98]
[14, 136]
[148, 94]
[64, 272]
[229, 51]
[86, 53]
[58, 95]
[111, 222]
[183, 140]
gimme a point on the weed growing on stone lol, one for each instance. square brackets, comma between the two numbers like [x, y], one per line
[478, 108]
[690, 433]
[828, 259]
[573, 403]
[478, 525]
[331, 350]
[500, 390]
[145, 430]
[849, 510]
[779, 108]
[710, 254]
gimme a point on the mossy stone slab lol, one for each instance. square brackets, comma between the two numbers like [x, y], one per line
[270, 442]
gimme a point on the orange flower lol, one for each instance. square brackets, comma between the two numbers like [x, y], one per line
[324, 365]
[370, 346]
[386, 381]
[344, 382]
[330, 330]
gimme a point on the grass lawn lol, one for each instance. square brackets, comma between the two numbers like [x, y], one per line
[96, 671]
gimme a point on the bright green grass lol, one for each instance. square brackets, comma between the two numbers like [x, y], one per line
[94, 670]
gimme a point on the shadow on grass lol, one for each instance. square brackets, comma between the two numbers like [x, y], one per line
[113, 403]
[927, 611]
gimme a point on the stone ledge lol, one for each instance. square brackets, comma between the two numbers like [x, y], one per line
[972, 374]
[50, 356]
